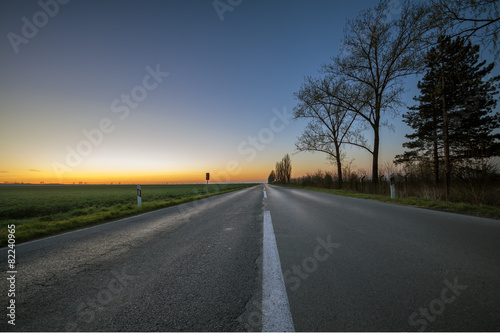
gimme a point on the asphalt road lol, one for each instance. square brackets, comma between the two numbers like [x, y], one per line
[346, 265]
[188, 268]
[360, 265]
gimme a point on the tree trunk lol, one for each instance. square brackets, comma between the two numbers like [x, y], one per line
[376, 136]
[436, 152]
[436, 163]
[339, 165]
[446, 145]
[376, 141]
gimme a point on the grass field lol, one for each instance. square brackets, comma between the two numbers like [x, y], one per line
[42, 210]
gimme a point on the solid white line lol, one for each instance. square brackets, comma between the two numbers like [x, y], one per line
[276, 316]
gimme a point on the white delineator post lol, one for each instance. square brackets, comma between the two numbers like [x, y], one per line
[393, 186]
[139, 196]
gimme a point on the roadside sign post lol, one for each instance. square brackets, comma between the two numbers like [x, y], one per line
[208, 178]
[139, 196]
[393, 186]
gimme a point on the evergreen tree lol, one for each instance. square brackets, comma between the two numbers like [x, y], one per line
[453, 120]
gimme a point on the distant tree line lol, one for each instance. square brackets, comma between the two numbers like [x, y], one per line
[283, 172]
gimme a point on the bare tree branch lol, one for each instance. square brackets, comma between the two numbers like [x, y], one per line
[380, 55]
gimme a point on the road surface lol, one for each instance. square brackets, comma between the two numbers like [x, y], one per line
[391, 267]
[266, 257]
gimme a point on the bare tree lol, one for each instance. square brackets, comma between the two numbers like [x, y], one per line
[467, 18]
[331, 121]
[378, 55]
[287, 168]
[279, 172]
[283, 172]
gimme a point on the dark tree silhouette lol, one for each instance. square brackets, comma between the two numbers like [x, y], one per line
[331, 120]
[454, 114]
[378, 55]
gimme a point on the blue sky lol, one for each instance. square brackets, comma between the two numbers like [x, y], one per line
[218, 83]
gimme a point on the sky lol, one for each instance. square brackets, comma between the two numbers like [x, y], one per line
[165, 91]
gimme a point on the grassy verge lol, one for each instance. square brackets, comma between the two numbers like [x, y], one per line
[461, 208]
[30, 228]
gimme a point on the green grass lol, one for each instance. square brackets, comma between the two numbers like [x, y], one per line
[461, 208]
[44, 210]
